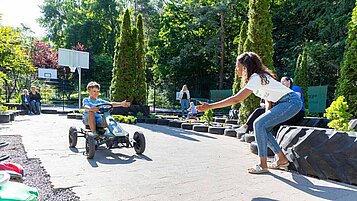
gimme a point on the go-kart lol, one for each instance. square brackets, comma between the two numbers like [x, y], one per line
[113, 136]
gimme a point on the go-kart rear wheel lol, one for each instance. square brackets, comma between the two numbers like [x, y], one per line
[139, 142]
[90, 146]
[72, 136]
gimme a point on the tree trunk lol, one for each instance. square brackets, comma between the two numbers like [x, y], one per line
[221, 71]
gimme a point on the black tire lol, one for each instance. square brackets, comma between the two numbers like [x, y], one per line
[200, 128]
[140, 120]
[71, 116]
[72, 136]
[254, 149]
[187, 126]
[139, 142]
[164, 122]
[230, 133]
[79, 116]
[151, 121]
[249, 137]
[90, 146]
[220, 120]
[175, 124]
[240, 135]
[232, 121]
[216, 130]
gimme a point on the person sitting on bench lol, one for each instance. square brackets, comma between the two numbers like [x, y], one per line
[35, 100]
[25, 101]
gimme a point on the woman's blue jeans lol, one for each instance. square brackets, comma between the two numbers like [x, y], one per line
[287, 106]
[35, 107]
[184, 106]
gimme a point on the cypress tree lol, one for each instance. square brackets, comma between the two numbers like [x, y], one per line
[260, 41]
[347, 83]
[301, 75]
[140, 53]
[236, 84]
[124, 64]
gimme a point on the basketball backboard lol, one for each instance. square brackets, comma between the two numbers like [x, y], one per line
[47, 73]
[73, 58]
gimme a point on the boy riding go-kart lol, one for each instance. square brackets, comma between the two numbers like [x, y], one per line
[101, 128]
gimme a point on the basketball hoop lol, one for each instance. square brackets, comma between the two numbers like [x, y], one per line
[73, 69]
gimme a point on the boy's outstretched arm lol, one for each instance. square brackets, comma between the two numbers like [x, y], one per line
[121, 104]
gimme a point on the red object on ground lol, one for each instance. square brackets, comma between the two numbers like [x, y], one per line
[12, 167]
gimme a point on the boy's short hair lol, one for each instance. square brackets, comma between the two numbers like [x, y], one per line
[92, 85]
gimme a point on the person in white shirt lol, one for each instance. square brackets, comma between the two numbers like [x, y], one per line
[184, 99]
[260, 81]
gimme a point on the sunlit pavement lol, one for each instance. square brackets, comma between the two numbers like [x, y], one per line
[177, 165]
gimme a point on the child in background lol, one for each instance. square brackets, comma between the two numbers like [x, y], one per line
[192, 112]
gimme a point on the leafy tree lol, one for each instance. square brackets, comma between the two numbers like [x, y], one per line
[259, 40]
[237, 81]
[15, 63]
[42, 56]
[301, 75]
[124, 65]
[347, 83]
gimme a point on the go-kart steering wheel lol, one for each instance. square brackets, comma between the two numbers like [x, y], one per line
[105, 107]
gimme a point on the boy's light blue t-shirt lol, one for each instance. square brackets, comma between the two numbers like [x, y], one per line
[92, 103]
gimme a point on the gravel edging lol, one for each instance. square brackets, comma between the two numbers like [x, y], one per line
[35, 174]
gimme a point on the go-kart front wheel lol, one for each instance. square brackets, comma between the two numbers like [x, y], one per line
[72, 136]
[90, 146]
[139, 142]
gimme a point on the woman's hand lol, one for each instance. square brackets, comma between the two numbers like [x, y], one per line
[203, 107]
[125, 104]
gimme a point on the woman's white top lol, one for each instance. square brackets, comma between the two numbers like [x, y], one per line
[272, 91]
[187, 93]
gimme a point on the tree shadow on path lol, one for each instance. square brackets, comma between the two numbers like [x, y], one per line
[175, 132]
[324, 192]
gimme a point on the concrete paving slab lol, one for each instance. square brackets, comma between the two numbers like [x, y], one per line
[177, 165]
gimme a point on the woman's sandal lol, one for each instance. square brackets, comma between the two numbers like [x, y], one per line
[257, 170]
[276, 166]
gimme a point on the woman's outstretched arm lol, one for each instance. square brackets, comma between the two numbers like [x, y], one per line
[241, 95]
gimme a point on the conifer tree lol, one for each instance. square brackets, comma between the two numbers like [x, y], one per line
[301, 75]
[260, 41]
[124, 65]
[237, 81]
[140, 76]
[347, 83]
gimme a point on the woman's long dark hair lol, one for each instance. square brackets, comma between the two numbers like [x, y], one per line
[252, 63]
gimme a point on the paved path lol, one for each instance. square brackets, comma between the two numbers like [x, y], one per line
[177, 165]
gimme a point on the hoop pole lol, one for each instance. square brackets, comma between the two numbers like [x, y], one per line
[79, 87]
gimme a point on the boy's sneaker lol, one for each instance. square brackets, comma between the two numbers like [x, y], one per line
[241, 129]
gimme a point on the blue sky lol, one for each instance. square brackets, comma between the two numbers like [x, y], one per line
[15, 12]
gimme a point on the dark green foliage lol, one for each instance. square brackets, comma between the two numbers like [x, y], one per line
[320, 27]
[237, 81]
[301, 76]
[140, 80]
[347, 83]
[124, 65]
[260, 41]
[187, 48]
